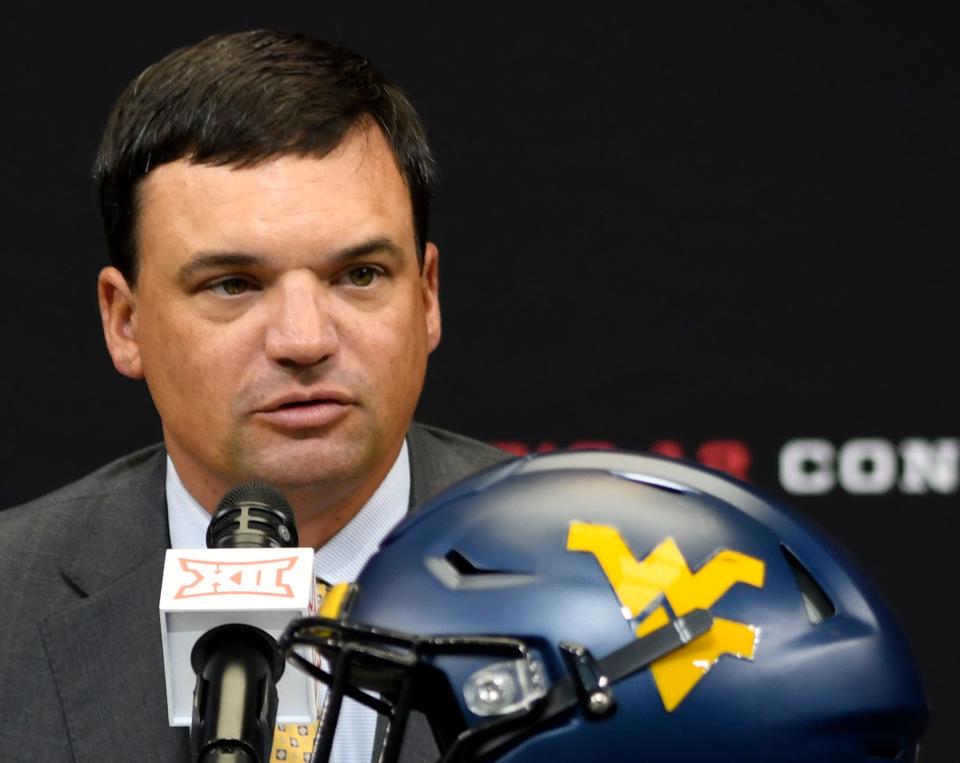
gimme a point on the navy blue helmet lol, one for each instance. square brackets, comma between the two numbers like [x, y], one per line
[620, 607]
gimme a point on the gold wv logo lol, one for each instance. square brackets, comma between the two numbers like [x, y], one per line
[642, 585]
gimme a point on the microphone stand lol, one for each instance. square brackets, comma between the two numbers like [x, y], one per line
[235, 703]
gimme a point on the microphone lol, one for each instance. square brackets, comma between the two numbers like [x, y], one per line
[221, 610]
[252, 516]
[237, 665]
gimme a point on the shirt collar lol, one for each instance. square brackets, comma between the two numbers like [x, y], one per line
[339, 559]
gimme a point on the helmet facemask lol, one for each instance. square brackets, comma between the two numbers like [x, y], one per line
[394, 674]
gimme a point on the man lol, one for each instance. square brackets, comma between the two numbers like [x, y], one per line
[265, 202]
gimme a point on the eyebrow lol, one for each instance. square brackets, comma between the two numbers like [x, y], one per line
[202, 261]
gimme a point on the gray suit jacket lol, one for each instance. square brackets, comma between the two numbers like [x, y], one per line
[81, 668]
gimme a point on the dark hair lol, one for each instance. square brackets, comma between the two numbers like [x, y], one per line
[239, 99]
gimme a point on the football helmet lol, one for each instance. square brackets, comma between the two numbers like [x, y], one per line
[618, 606]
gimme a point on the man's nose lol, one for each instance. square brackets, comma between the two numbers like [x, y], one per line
[301, 330]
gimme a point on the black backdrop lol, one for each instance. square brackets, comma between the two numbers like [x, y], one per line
[710, 231]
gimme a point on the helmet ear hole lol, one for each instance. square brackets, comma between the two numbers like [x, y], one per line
[816, 603]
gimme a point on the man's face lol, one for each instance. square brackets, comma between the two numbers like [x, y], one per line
[280, 318]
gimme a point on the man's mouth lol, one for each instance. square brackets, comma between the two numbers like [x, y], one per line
[305, 412]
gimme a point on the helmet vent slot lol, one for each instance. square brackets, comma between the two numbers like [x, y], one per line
[455, 571]
[465, 567]
[658, 482]
[815, 600]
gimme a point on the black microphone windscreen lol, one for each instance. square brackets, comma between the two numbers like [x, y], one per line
[252, 515]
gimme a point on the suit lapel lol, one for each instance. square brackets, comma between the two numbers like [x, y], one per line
[104, 650]
[106, 660]
[435, 465]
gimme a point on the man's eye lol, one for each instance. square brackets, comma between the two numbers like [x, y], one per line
[231, 287]
[363, 275]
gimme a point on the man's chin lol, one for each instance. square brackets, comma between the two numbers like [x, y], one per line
[311, 463]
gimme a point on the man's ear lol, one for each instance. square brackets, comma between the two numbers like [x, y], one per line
[118, 313]
[430, 285]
